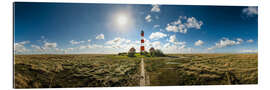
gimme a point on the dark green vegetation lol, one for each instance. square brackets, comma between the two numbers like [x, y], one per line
[45, 71]
[155, 53]
[202, 69]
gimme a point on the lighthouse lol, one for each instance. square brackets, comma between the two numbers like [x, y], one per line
[142, 42]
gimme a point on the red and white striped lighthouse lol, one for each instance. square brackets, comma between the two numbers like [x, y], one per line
[142, 42]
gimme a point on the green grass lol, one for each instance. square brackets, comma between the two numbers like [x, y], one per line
[53, 71]
[44, 71]
[203, 69]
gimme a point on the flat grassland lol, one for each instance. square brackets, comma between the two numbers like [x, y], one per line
[54, 71]
[93, 70]
[203, 69]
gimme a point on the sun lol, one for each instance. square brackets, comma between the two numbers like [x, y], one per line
[122, 20]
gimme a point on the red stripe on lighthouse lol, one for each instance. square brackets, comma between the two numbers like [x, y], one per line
[142, 48]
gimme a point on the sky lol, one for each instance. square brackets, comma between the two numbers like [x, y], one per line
[81, 28]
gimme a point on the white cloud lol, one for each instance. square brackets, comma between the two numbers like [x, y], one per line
[250, 11]
[76, 42]
[166, 45]
[171, 28]
[174, 48]
[128, 41]
[42, 37]
[70, 49]
[155, 8]
[23, 42]
[120, 43]
[58, 50]
[44, 48]
[83, 47]
[116, 41]
[239, 40]
[148, 18]
[173, 40]
[123, 45]
[36, 48]
[100, 36]
[156, 26]
[250, 41]
[183, 24]
[193, 23]
[19, 47]
[180, 43]
[48, 45]
[89, 40]
[224, 42]
[249, 51]
[155, 44]
[199, 43]
[97, 46]
[157, 35]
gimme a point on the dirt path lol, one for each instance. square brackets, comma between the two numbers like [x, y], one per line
[142, 80]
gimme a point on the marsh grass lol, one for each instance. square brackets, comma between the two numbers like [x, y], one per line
[203, 69]
[82, 70]
[54, 71]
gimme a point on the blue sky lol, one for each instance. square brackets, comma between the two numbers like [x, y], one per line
[74, 28]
